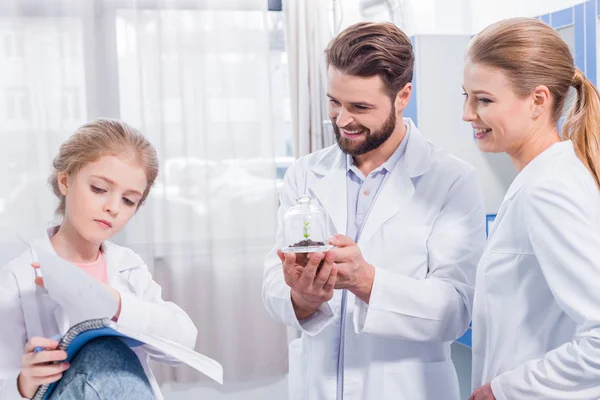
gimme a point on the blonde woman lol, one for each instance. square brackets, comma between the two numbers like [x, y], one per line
[102, 175]
[536, 317]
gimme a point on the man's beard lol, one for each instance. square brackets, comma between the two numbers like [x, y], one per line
[371, 141]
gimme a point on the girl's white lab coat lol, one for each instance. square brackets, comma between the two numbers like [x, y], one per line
[424, 236]
[536, 322]
[27, 310]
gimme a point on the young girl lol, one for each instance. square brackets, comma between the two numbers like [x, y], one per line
[102, 175]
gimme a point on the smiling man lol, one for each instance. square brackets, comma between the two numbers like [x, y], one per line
[378, 317]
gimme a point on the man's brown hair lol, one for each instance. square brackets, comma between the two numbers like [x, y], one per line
[374, 49]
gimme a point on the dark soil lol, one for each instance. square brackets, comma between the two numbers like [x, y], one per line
[307, 243]
[302, 258]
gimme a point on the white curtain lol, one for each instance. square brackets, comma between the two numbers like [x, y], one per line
[447, 17]
[206, 81]
[308, 29]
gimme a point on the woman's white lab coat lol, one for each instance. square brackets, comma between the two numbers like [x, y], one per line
[536, 322]
[424, 236]
[27, 310]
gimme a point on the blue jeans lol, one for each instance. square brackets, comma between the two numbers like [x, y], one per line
[104, 369]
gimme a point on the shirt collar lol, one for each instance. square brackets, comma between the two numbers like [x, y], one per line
[390, 163]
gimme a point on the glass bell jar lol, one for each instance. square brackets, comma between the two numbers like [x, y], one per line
[305, 228]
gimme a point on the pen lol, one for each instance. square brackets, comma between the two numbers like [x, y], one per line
[39, 348]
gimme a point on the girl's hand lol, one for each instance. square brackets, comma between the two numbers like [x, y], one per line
[42, 367]
[114, 292]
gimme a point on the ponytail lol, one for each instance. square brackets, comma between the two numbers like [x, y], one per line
[582, 124]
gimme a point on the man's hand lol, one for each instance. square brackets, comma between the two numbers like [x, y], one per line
[309, 288]
[354, 273]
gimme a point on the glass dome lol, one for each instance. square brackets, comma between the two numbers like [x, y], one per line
[305, 228]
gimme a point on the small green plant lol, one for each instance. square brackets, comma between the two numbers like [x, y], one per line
[306, 229]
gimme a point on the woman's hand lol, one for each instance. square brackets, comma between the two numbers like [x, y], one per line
[483, 393]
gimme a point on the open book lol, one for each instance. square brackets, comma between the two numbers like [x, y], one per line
[90, 307]
[86, 331]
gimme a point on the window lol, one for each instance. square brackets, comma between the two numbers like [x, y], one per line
[58, 68]
[275, 5]
[71, 103]
[17, 104]
[280, 87]
[213, 81]
[11, 46]
[43, 84]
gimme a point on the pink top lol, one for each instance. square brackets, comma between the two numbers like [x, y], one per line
[97, 268]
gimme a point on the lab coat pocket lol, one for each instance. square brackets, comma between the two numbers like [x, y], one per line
[420, 381]
[298, 373]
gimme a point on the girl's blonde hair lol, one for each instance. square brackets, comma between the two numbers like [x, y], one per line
[531, 53]
[99, 138]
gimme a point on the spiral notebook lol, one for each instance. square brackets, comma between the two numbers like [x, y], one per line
[89, 307]
[86, 331]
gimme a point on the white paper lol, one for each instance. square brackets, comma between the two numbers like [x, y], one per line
[199, 362]
[81, 296]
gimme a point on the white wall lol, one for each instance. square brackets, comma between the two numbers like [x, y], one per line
[438, 86]
[439, 63]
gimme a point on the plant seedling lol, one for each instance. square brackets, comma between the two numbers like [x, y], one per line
[306, 229]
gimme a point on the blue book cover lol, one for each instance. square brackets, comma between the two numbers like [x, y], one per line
[83, 332]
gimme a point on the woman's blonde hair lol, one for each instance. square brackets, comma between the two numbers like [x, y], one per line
[99, 138]
[531, 53]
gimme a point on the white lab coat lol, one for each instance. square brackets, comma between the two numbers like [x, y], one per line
[536, 323]
[424, 235]
[27, 310]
